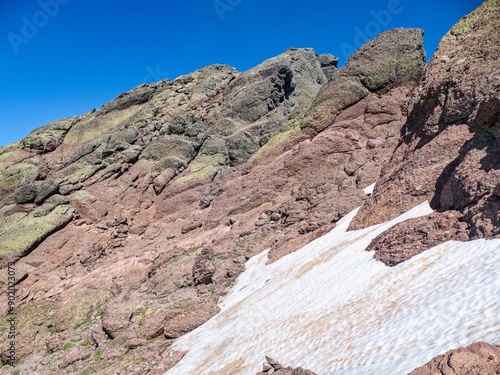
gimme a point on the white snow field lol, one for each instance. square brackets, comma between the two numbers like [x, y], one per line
[331, 308]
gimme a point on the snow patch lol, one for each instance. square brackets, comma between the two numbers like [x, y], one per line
[332, 308]
[369, 189]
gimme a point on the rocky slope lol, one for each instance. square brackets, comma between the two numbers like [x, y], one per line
[127, 224]
[450, 147]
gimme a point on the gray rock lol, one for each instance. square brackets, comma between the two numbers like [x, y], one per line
[45, 190]
[259, 101]
[128, 99]
[271, 361]
[393, 58]
[37, 192]
[328, 60]
[328, 64]
[26, 194]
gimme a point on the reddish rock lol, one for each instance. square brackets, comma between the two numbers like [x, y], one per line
[190, 319]
[204, 267]
[479, 358]
[411, 237]
[449, 153]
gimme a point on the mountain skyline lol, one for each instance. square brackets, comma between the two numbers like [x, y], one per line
[63, 58]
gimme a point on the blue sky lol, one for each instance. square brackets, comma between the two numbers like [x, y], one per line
[60, 58]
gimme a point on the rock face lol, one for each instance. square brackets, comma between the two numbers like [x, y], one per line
[479, 358]
[127, 224]
[450, 148]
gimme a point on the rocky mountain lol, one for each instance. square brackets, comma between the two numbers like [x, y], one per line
[128, 224]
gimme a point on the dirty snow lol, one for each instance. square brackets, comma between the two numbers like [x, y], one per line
[330, 307]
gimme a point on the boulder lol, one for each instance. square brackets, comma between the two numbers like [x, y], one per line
[204, 267]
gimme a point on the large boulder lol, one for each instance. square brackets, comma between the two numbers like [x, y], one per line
[395, 58]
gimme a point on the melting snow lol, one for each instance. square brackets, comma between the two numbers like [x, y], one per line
[332, 308]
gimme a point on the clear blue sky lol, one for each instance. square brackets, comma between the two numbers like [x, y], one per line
[60, 58]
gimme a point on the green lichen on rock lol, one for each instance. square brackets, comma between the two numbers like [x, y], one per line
[80, 311]
[169, 146]
[83, 173]
[29, 315]
[212, 156]
[278, 139]
[82, 196]
[394, 57]
[142, 313]
[202, 168]
[48, 137]
[10, 155]
[50, 205]
[18, 236]
[17, 175]
[92, 126]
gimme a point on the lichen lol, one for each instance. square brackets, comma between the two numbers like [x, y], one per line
[17, 175]
[202, 168]
[82, 196]
[277, 140]
[80, 311]
[30, 315]
[19, 235]
[92, 127]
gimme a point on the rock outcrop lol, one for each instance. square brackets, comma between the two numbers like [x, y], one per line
[479, 358]
[450, 147]
[272, 366]
[126, 224]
